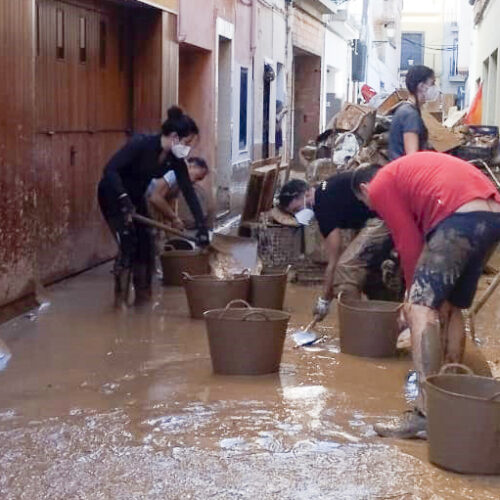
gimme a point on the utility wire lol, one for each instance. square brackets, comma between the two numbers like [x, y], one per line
[444, 48]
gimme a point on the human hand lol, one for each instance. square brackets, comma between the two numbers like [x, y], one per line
[127, 208]
[391, 275]
[178, 224]
[321, 308]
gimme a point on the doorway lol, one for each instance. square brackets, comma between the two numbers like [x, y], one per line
[224, 127]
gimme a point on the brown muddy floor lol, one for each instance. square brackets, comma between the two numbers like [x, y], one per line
[96, 404]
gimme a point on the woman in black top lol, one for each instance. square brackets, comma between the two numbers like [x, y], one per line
[408, 132]
[122, 189]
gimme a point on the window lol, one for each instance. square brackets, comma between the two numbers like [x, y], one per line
[412, 50]
[102, 43]
[243, 107]
[83, 39]
[60, 34]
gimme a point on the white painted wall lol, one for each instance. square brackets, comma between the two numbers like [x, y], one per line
[271, 49]
[486, 43]
[336, 70]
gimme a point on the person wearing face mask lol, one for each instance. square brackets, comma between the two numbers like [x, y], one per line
[408, 133]
[121, 193]
[363, 267]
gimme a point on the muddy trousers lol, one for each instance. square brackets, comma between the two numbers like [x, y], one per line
[360, 266]
[135, 249]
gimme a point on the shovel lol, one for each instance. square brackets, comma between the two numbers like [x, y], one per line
[243, 250]
[305, 336]
[158, 225]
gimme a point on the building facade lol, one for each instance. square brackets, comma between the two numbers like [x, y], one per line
[79, 77]
[82, 76]
[484, 67]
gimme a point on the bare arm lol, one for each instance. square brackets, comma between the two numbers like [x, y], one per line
[159, 199]
[411, 143]
[333, 243]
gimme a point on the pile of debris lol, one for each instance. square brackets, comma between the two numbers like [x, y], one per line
[360, 134]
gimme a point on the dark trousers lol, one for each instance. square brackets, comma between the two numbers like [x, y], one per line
[135, 241]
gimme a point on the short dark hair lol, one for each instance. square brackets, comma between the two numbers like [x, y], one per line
[363, 175]
[291, 190]
[180, 123]
[199, 162]
[417, 74]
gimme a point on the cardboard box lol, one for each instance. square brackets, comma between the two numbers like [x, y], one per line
[392, 101]
[440, 138]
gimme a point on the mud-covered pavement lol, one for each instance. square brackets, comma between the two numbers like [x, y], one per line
[96, 404]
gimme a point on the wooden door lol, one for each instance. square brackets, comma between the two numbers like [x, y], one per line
[83, 113]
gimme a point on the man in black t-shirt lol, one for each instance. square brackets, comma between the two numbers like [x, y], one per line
[365, 265]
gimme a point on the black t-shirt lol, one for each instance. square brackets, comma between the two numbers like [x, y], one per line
[131, 169]
[406, 119]
[335, 205]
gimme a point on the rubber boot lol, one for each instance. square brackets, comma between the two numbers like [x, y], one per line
[142, 284]
[123, 288]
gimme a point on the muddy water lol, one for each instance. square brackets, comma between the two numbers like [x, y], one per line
[96, 404]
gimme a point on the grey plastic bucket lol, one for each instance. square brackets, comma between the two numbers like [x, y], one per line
[206, 292]
[368, 328]
[245, 340]
[268, 290]
[175, 262]
[463, 422]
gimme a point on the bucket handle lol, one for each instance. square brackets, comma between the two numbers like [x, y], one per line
[465, 368]
[232, 303]
[253, 313]
[494, 397]
[237, 301]
[245, 273]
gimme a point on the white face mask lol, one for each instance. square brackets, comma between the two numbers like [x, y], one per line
[180, 150]
[304, 216]
[432, 93]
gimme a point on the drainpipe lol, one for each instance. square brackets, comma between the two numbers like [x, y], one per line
[253, 50]
[253, 27]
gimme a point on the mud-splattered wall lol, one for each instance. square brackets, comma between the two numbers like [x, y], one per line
[17, 91]
[74, 85]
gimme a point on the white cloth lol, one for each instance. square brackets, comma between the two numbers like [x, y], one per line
[170, 178]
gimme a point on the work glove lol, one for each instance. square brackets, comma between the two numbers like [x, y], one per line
[202, 238]
[321, 308]
[127, 208]
[391, 275]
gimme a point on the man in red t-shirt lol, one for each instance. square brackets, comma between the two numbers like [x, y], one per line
[444, 217]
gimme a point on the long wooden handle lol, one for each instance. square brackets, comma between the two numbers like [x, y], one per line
[163, 227]
[486, 295]
[312, 324]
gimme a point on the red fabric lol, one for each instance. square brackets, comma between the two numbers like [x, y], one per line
[414, 193]
[367, 92]
[475, 113]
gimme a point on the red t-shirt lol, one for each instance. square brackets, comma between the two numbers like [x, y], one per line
[414, 193]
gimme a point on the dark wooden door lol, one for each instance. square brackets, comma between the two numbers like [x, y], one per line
[83, 114]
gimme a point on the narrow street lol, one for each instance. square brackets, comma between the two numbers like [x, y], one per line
[99, 404]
